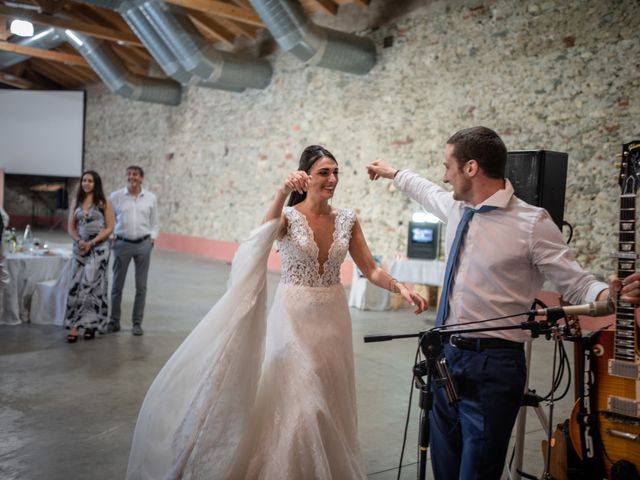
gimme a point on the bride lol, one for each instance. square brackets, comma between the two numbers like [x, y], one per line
[269, 396]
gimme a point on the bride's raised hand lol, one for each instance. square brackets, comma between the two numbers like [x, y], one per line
[297, 181]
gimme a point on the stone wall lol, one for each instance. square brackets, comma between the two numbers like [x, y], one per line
[561, 75]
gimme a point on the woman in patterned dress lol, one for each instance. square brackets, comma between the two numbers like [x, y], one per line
[91, 221]
[252, 394]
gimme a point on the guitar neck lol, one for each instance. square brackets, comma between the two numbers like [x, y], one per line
[626, 331]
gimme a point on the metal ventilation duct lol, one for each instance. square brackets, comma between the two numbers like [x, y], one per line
[46, 39]
[313, 44]
[152, 41]
[180, 51]
[136, 20]
[219, 69]
[114, 74]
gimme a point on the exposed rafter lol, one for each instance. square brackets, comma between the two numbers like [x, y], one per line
[71, 24]
[327, 6]
[362, 3]
[18, 82]
[209, 26]
[45, 68]
[220, 9]
[238, 28]
[98, 16]
[49, 6]
[4, 31]
[69, 58]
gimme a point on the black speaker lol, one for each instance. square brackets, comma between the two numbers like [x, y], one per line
[539, 177]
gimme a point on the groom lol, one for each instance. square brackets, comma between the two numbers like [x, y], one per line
[499, 252]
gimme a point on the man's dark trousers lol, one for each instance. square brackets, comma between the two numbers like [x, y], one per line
[469, 440]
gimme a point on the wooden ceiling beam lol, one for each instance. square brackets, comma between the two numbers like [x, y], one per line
[4, 29]
[17, 69]
[244, 4]
[16, 81]
[237, 28]
[220, 9]
[100, 16]
[214, 28]
[361, 3]
[44, 68]
[44, 54]
[48, 6]
[33, 76]
[71, 24]
[84, 75]
[327, 6]
[77, 76]
[132, 61]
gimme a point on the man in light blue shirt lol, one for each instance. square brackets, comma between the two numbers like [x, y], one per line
[499, 261]
[136, 230]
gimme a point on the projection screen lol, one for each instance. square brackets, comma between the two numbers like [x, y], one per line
[42, 132]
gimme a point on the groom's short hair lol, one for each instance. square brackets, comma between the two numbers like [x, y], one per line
[482, 145]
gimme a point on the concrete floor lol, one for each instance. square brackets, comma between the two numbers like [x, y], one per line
[68, 411]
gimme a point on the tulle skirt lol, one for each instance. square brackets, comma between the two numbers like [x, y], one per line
[254, 396]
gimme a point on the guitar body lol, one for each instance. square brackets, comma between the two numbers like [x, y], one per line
[611, 426]
[614, 448]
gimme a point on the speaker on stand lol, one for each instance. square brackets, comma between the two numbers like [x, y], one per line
[539, 177]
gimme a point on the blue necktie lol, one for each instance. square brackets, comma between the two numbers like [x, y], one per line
[463, 226]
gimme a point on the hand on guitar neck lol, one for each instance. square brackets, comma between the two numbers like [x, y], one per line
[626, 290]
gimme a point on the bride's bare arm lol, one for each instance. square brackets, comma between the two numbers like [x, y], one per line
[361, 255]
[297, 181]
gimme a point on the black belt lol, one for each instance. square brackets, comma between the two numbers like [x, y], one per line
[479, 344]
[137, 240]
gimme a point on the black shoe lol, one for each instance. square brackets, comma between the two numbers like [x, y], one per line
[137, 330]
[113, 328]
[89, 334]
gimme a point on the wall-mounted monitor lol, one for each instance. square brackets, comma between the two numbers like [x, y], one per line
[423, 240]
[42, 132]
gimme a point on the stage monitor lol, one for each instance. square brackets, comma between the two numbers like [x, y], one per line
[42, 132]
[423, 240]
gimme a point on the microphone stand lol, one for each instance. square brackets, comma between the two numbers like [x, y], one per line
[431, 342]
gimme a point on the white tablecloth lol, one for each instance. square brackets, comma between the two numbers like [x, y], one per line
[425, 272]
[26, 271]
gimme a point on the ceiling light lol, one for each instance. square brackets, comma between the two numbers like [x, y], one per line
[22, 28]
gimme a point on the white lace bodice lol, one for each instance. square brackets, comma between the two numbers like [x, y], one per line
[299, 251]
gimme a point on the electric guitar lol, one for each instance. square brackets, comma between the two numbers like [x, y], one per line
[616, 353]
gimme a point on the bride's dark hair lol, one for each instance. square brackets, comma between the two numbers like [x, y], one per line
[309, 156]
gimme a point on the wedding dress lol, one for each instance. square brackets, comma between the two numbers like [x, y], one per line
[254, 396]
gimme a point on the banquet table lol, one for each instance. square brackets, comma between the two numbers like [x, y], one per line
[26, 270]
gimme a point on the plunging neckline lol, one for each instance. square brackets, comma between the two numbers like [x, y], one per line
[312, 235]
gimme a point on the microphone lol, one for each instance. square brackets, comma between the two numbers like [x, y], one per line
[593, 309]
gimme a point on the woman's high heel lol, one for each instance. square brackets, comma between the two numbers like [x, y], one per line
[89, 333]
[72, 338]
